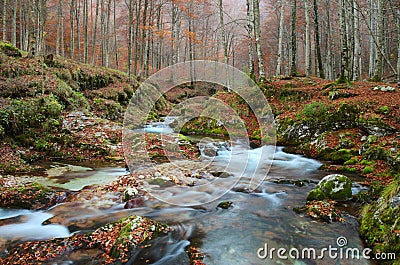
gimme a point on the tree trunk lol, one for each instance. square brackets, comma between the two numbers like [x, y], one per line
[308, 39]
[14, 25]
[223, 35]
[372, 46]
[380, 42]
[398, 45]
[130, 36]
[344, 73]
[357, 70]
[94, 32]
[72, 33]
[330, 62]
[317, 42]
[4, 20]
[293, 40]
[257, 33]
[85, 31]
[115, 36]
[280, 41]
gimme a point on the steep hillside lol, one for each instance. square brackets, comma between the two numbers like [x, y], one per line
[55, 108]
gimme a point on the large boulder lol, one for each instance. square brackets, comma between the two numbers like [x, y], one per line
[336, 187]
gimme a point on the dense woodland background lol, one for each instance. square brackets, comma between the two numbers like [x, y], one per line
[350, 39]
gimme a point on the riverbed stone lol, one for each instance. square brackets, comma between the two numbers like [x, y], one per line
[335, 187]
[129, 193]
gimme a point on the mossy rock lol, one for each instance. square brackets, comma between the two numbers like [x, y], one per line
[335, 187]
[134, 230]
[343, 155]
[28, 196]
[225, 204]
[9, 50]
[380, 221]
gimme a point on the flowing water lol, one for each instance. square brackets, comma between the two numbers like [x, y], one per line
[258, 219]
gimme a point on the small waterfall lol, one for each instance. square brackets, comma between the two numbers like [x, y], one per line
[167, 250]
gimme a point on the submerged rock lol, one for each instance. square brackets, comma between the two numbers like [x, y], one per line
[225, 204]
[335, 187]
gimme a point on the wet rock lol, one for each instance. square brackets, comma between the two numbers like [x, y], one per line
[380, 129]
[385, 88]
[129, 193]
[335, 187]
[395, 201]
[135, 202]
[210, 150]
[225, 204]
[296, 182]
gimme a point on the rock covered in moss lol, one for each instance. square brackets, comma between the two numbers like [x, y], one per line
[115, 241]
[321, 210]
[335, 187]
[380, 221]
[225, 204]
[28, 195]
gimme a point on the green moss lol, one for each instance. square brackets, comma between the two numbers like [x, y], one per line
[366, 162]
[368, 170]
[383, 110]
[225, 204]
[348, 169]
[380, 222]
[354, 160]
[375, 153]
[8, 49]
[343, 154]
[335, 187]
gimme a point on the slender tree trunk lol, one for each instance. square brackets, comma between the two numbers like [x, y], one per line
[308, 39]
[21, 27]
[115, 36]
[257, 33]
[344, 73]
[4, 20]
[317, 41]
[398, 45]
[223, 34]
[372, 46]
[58, 27]
[330, 62]
[280, 41]
[293, 40]
[130, 37]
[78, 27]
[72, 33]
[357, 70]
[137, 32]
[85, 31]
[380, 40]
[14, 25]
[95, 32]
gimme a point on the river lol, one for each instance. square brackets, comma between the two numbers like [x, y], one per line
[237, 235]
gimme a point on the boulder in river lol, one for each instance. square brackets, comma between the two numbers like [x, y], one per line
[335, 187]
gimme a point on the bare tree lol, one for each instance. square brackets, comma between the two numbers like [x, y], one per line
[257, 33]
[344, 72]
[380, 42]
[293, 40]
[317, 41]
[250, 30]
[308, 39]
[280, 41]
[357, 70]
